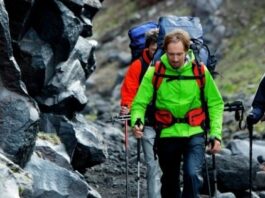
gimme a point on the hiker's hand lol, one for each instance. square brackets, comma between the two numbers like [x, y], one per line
[214, 146]
[124, 110]
[138, 131]
[252, 119]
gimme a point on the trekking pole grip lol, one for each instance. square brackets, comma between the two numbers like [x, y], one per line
[138, 123]
[211, 141]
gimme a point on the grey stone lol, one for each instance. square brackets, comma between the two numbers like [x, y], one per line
[53, 181]
[19, 18]
[55, 153]
[241, 147]
[231, 166]
[14, 181]
[84, 143]
[36, 61]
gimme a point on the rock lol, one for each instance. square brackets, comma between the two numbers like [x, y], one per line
[51, 180]
[19, 18]
[206, 6]
[259, 180]
[241, 147]
[231, 166]
[262, 194]
[36, 61]
[18, 124]
[68, 82]
[14, 181]
[62, 30]
[84, 143]
[19, 113]
[54, 152]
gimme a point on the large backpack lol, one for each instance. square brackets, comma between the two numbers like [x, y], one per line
[193, 26]
[137, 37]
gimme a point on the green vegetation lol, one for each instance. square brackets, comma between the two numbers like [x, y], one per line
[112, 15]
[91, 117]
[21, 190]
[243, 63]
[14, 169]
[51, 137]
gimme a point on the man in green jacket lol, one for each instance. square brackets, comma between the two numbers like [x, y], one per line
[178, 98]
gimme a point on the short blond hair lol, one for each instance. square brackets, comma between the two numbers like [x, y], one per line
[176, 36]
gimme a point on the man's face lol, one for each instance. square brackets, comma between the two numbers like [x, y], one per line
[176, 54]
[151, 49]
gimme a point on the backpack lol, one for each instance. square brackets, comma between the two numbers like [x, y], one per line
[137, 38]
[193, 26]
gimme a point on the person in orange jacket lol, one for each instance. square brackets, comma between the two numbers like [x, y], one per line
[129, 89]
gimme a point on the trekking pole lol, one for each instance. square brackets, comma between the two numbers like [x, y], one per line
[211, 141]
[138, 167]
[126, 155]
[250, 129]
[138, 123]
[207, 176]
[214, 176]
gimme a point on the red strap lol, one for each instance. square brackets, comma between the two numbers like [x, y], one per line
[159, 69]
[197, 71]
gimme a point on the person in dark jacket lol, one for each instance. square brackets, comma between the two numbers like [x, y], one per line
[258, 104]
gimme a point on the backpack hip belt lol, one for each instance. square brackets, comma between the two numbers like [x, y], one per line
[164, 118]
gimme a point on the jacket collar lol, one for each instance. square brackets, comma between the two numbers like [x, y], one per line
[146, 56]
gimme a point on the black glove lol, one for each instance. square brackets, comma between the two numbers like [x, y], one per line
[252, 119]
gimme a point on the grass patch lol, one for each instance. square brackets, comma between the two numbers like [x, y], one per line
[50, 137]
[112, 16]
[243, 64]
[91, 117]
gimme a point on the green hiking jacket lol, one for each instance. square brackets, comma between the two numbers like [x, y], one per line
[179, 97]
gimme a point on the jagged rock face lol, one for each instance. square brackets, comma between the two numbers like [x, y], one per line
[83, 141]
[50, 47]
[18, 112]
[18, 125]
[45, 61]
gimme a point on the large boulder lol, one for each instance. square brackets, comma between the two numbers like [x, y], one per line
[54, 181]
[84, 143]
[14, 181]
[19, 113]
[232, 172]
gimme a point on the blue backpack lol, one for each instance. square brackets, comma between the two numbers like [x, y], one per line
[137, 37]
[193, 26]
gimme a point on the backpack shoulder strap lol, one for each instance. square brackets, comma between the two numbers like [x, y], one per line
[144, 67]
[158, 75]
[199, 70]
[199, 73]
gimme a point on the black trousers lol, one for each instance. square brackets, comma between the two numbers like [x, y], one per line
[170, 153]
